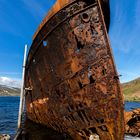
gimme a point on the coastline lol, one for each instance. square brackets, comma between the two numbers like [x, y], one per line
[9, 95]
[133, 99]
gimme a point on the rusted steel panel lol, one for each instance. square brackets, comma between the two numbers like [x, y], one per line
[60, 4]
[71, 71]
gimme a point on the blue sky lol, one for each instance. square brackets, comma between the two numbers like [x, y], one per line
[124, 37]
[19, 20]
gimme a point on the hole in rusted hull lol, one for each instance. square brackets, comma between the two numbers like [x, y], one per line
[104, 71]
[80, 85]
[93, 130]
[58, 93]
[80, 105]
[116, 77]
[85, 17]
[72, 107]
[44, 43]
[79, 44]
[86, 132]
[93, 31]
[91, 80]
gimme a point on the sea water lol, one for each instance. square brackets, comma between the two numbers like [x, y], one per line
[9, 114]
[131, 105]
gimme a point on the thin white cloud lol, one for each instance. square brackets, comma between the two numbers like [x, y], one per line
[10, 82]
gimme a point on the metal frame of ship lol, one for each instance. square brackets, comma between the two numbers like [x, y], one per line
[73, 86]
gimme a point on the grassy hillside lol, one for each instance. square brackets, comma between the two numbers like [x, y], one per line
[131, 90]
[9, 91]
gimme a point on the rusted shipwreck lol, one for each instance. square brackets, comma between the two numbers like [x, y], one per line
[71, 80]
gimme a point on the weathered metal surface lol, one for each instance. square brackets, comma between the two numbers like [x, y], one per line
[71, 71]
[60, 4]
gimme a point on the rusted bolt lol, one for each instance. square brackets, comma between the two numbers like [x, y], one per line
[85, 17]
[34, 61]
[29, 89]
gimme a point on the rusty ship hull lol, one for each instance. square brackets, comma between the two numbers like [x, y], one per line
[71, 80]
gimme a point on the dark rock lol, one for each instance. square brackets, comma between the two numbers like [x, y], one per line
[132, 122]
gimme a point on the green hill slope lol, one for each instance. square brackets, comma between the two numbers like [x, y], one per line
[131, 90]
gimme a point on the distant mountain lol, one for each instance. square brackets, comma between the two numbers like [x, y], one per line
[131, 90]
[9, 91]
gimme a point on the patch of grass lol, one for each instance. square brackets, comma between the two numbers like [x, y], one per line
[131, 90]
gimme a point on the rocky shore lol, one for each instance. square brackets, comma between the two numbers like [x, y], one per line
[132, 122]
[4, 137]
